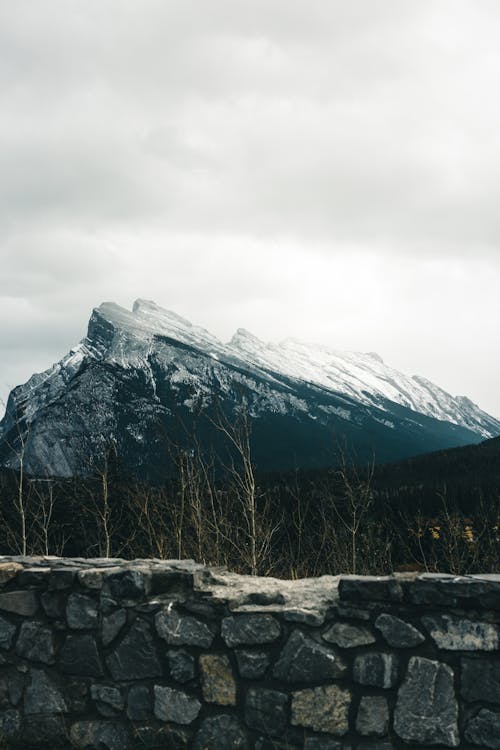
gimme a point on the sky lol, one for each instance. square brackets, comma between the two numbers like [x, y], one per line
[323, 170]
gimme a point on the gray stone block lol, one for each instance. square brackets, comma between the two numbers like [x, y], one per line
[305, 660]
[129, 583]
[99, 735]
[139, 706]
[427, 709]
[109, 699]
[23, 603]
[376, 669]
[175, 705]
[247, 630]
[181, 664]
[373, 716]
[480, 678]
[221, 732]
[112, 625]
[484, 729]
[36, 643]
[7, 632]
[183, 630]
[10, 724]
[266, 711]
[81, 612]
[79, 656]
[135, 657]
[252, 664]
[42, 695]
[398, 633]
[459, 634]
[349, 636]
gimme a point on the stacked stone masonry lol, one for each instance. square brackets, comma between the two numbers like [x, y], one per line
[111, 655]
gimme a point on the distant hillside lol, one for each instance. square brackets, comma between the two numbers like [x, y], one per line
[466, 474]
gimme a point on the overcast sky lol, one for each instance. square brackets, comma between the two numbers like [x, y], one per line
[323, 169]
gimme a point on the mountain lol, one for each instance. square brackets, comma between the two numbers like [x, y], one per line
[145, 379]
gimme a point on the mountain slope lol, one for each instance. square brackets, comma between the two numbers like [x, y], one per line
[145, 378]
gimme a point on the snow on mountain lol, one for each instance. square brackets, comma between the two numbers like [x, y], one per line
[141, 367]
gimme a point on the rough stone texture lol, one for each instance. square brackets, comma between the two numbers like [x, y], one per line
[168, 654]
[99, 735]
[398, 633]
[135, 657]
[19, 602]
[10, 723]
[348, 636]
[7, 631]
[36, 643]
[175, 705]
[43, 731]
[221, 733]
[325, 743]
[484, 729]
[480, 679]
[376, 669]
[81, 612]
[54, 604]
[252, 664]
[457, 634]
[109, 699]
[182, 665]
[139, 707]
[323, 709]
[373, 716]
[265, 710]
[42, 695]
[217, 681]
[79, 656]
[112, 625]
[427, 710]
[370, 588]
[129, 584]
[244, 630]
[8, 571]
[305, 660]
[183, 630]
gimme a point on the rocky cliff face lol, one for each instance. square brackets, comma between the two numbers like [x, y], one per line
[146, 378]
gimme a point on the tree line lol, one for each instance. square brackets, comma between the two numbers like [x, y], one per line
[220, 511]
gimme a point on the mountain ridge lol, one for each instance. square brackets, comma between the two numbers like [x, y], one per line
[143, 367]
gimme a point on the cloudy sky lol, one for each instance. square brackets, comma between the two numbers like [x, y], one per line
[328, 170]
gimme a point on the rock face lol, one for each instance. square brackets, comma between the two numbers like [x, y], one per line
[110, 655]
[149, 368]
[427, 709]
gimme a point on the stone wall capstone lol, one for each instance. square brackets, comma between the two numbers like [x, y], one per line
[114, 655]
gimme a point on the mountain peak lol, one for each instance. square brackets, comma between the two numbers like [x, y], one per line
[242, 336]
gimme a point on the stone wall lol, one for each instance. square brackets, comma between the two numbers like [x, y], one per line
[110, 655]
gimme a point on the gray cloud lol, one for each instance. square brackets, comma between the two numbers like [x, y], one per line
[326, 170]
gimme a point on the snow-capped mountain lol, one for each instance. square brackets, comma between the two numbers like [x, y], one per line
[144, 379]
